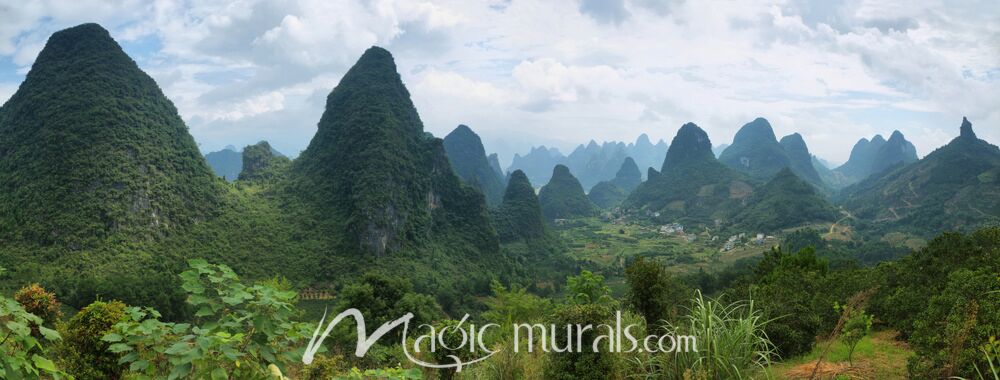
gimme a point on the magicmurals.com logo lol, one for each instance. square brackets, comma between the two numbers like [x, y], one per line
[609, 338]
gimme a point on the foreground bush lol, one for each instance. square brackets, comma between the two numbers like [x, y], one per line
[241, 331]
[82, 351]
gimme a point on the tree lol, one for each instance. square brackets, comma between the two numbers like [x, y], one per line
[589, 288]
[856, 327]
[82, 350]
[652, 291]
[36, 300]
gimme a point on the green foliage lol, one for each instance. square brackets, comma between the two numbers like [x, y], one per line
[785, 201]
[953, 188]
[468, 158]
[589, 289]
[755, 151]
[583, 362]
[92, 149]
[22, 355]
[563, 196]
[243, 329]
[606, 195]
[693, 187]
[857, 325]
[731, 341]
[261, 164]
[786, 291]
[800, 161]
[653, 292]
[514, 306]
[372, 176]
[519, 216]
[83, 351]
[36, 300]
[382, 297]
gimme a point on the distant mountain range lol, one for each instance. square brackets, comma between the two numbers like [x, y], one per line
[591, 163]
[228, 162]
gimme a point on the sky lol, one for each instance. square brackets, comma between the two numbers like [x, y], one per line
[557, 72]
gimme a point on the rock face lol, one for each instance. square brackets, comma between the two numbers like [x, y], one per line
[519, 216]
[955, 187]
[261, 163]
[755, 151]
[90, 147]
[563, 196]
[495, 165]
[800, 161]
[692, 187]
[468, 157]
[372, 171]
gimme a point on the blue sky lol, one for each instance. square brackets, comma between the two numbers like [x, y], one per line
[558, 72]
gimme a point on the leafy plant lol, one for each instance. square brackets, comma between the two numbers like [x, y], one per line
[242, 330]
[856, 326]
[83, 351]
[21, 354]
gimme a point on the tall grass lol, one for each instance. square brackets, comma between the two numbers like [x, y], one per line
[731, 342]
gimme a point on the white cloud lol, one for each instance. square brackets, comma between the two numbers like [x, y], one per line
[562, 72]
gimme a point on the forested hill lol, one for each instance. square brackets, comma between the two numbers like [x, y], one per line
[693, 185]
[373, 171]
[91, 148]
[956, 187]
[468, 157]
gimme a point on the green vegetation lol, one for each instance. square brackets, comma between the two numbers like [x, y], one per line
[693, 187]
[785, 201]
[105, 202]
[261, 164]
[953, 188]
[468, 158]
[563, 197]
[92, 151]
[608, 194]
[756, 151]
[800, 161]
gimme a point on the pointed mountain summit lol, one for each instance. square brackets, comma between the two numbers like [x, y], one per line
[90, 147]
[755, 151]
[800, 160]
[690, 146]
[563, 196]
[955, 187]
[966, 129]
[784, 201]
[519, 216]
[495, 165]
[896, 150]
[693, 185]
[859, 165]
[468, 157]
[628, 176]
[608, 194]
[376, 178]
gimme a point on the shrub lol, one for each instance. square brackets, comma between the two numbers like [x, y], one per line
[82, 351]
[36, 300]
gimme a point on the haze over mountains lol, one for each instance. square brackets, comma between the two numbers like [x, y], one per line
[97, 169]
[591, 163]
